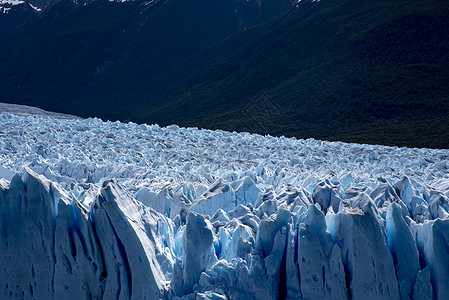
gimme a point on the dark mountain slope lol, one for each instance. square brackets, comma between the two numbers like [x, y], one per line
[13, 16]
[15, 13]
[108, 59]
[360, 71]
[364, 71]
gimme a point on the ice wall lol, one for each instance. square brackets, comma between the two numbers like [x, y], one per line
[51, 248]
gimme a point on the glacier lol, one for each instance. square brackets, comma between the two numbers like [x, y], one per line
[109, 210]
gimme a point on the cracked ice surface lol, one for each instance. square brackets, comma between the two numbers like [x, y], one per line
[112, 210]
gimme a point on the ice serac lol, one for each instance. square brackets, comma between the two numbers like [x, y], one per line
[273, 262]
[247, 191]
[432, 239]
[369, 267]
[326, 196]
[160, 201]
[133, 266]
[52, 248]
[403, 249]
[384, 195]
[44, 252]
[219, 196]
[78, 267]
[320, 266]
[236, 280]
[312, 264]
[336, 284]
[423, 289]
[438, 205]
[292, 269]
[27, 234]
[240, 244]
[198, 254]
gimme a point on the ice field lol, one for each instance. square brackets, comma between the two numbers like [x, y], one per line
[108, 210]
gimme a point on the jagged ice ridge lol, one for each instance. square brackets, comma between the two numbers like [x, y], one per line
[107, 210]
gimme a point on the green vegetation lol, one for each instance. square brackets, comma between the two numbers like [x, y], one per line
[358, 71]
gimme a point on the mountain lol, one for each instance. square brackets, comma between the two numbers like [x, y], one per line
[365, 71]
[362, 71]
[108, 210]
[79, 57]
[15, 13]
